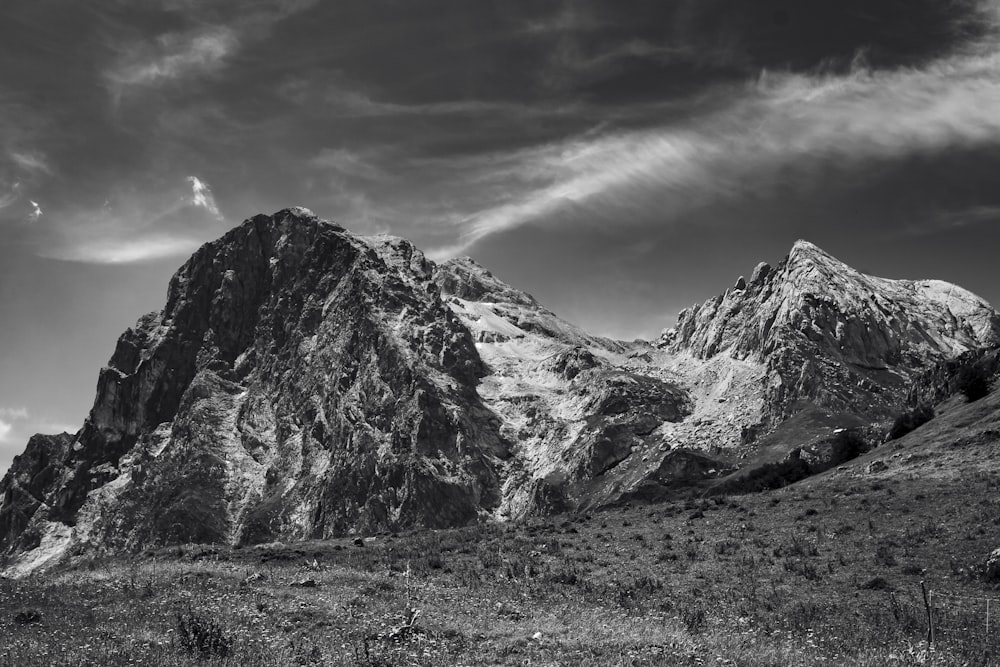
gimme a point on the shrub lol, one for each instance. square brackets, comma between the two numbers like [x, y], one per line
[198, 634]
[910, 420]
[974, 382]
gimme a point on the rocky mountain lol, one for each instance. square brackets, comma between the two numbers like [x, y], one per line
[305, 382]
[833, 336]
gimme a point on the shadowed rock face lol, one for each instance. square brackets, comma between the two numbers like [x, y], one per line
[304, 382]
[300, 382]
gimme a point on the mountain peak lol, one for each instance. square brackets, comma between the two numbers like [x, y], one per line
[805, 252]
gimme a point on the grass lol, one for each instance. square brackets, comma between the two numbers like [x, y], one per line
[825, 576]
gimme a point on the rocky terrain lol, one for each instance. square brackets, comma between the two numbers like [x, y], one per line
[304, 382]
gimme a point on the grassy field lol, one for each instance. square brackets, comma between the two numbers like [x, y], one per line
[826, 574]
[827, 571]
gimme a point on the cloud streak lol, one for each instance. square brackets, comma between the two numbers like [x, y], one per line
[808, 120]
[220, 30]
[127, 251]
[173, 56]
[138, 225]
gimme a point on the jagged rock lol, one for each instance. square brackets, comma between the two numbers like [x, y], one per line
[991, 567]
[834, 336]
[300, 382]
[876, 466]
[760, 273]
[304, 382]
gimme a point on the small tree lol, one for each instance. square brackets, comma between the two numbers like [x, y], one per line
[910, 420]
[974, 382]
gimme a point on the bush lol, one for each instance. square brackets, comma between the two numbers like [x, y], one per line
[910, 420]
[198, 634]
[974, 382]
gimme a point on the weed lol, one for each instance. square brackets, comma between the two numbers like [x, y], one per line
[202, 635]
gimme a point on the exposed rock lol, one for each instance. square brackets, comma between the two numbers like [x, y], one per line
[991, 568]
[300, 382]
[304, 382]
[876, 466]
[833, 336]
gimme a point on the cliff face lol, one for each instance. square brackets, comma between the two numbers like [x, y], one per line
[300, 382]
[304, 382]
[833, 336]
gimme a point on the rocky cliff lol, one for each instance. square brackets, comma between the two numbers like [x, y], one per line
[833, 336]
[304, 382]
[300, 382]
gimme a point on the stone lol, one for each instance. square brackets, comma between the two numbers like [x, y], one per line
[991, 567]
[876, 466]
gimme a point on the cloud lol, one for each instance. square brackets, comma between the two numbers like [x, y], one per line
[137, 224]
[220, 30]
[127, 251]
[7, 418]
[778, 131]
[9, 194]
[36, 211]
[31, 162]
[201, 195]
[173, 56]
[346, 101]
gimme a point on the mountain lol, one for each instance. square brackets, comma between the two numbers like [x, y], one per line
[833, 336]
[305, 382]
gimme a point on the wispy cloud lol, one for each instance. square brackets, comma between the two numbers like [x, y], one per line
[201, 196]
[347, 162]
[31, 162]
[779, 120]
[7, 418]
[127, 251]
[9, 193]
[138, 225]
[172, 57]
[14, 413]
[220, 30]
[345, 101]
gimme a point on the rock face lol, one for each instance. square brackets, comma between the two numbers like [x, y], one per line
[991, 567]
[304, 382]
[833, 336]
[300, 382]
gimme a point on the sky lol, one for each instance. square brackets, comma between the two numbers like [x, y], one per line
[619, 161]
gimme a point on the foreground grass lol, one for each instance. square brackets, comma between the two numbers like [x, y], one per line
[803, 576]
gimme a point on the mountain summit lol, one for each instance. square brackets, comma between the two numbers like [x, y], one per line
[305, 382]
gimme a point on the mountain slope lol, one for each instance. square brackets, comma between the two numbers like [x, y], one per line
[833, 336]
[299, 382]
[304, 382]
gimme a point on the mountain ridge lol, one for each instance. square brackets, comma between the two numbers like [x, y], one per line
[304, 382]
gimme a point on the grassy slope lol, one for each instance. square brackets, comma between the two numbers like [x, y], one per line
[826, 571]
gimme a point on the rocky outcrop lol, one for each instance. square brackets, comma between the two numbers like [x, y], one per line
[300, 382]
[833, 336]
[991, 567]
[304, 382]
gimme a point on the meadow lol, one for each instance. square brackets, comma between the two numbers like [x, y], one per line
[825, 572]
